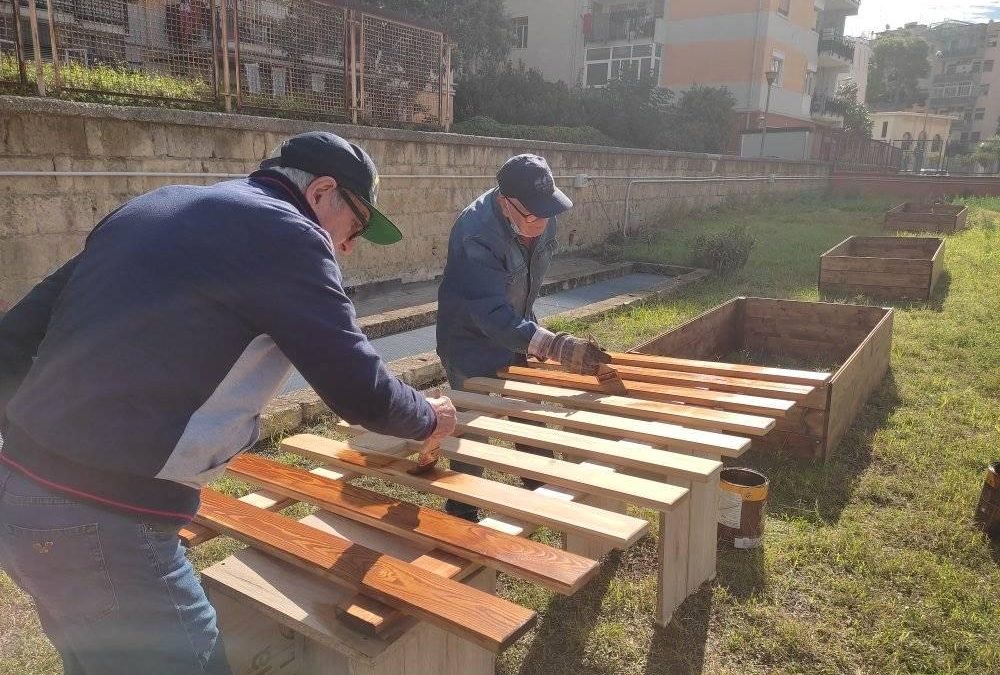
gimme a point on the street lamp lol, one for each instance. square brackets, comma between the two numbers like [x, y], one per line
[772, 76]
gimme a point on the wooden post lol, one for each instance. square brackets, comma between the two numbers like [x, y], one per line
[360, 103]
[236, 52]
[22, 72]
[351, 67]
[225, 55]
[215, 45]
[39, 71]
[56, 74]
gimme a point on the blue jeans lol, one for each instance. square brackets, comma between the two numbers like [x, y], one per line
[114, 591]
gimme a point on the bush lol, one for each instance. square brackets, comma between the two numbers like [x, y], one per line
[724, 253]
[487, 126]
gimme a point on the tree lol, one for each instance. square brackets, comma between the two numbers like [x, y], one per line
[987, 155]
[897, 63]
[704, 121]
[857, 116]
[479, 27]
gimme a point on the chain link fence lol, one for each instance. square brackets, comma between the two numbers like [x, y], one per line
[300, 58]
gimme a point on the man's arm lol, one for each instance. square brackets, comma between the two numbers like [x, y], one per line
[296, 297]
[22, 330]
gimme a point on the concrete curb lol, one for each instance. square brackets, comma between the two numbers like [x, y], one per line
[289, 412]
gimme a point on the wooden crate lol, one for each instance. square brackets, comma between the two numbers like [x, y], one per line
[856, 338]
[890, 268]
[914, 217]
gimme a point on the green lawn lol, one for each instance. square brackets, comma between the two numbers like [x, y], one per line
[869, 564]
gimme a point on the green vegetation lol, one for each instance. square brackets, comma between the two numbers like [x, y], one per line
[870, 564]
[486, 126]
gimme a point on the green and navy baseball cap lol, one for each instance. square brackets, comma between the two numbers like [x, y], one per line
[322, 153]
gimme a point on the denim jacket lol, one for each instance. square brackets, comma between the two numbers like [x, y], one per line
[485, 302]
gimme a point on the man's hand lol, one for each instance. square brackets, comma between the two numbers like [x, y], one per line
[578, 355]
[447, 418]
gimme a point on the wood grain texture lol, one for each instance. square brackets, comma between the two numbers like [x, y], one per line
[695, 417]
[620, 530]
[638, 455]
[491, 622]
[755, 405]
[632, 490]
[763, 373]
[520, 557]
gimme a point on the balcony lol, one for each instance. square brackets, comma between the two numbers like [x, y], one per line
[634, 23]
[827, 107]
[945, 78]
[110, 13]
[952, 101]
[849, 7]
[835, 52]
[959, 52]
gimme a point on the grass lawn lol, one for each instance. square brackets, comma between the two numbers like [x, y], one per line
[869, 563]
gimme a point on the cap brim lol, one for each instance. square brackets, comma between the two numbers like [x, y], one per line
[547, 206]
[380, 229]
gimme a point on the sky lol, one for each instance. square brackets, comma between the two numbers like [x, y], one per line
[875, 14]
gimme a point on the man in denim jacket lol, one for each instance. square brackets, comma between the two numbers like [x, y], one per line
[498, 253]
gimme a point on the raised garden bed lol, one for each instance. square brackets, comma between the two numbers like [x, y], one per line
[911, 217]
[853, 341]
[891, 268]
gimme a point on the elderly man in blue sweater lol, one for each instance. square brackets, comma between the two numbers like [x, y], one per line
[498, 253]
[131, 376]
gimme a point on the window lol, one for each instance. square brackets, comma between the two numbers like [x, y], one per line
[642, 50]
[784, 6]
[278, 79]
[810, 82]
[252, 71]
[778, 65]
[988, 66]
[621, 52]
[597, 74]
[318, 82]
[980, 113]
[520, 32]
[950, 92]
[992, 40]
[975, 137]
[965, 88]
[885, 129]
[976, 66]
[599, 54]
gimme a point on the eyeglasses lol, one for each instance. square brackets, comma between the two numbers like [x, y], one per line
[363, 221]
[528, 217]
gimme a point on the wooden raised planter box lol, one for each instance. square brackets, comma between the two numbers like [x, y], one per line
[891, 268]
[854, 339]
[910, 217]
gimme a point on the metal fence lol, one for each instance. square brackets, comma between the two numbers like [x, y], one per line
[290, 57]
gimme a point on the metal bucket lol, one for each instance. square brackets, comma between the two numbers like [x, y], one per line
[988, 510]
[742, 502]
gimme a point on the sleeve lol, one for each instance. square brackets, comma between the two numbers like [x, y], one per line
[23, 328]
[295, 296]
[484, 287]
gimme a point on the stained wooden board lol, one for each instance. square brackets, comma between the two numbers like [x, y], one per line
[618, 529]
[756, 405]
[484, 619]
[600, 449]
[695, 417]
[740, 385]
[637, 491]
[562, 572]
[806, 377]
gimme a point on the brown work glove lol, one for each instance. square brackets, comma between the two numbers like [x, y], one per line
[577, 355]
[447, 418]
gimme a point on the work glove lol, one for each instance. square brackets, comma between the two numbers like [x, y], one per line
[447, 418]
[577, 355]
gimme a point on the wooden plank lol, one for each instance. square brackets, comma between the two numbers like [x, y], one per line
[857, 264]
[637, 491]
[795, 312]
[916, 277]
[563, 573]
[695, 417]
[937, 266]
[767, 374]
[488, 621]
[637, 456]
[879, 292]
[709, 335]
[621, 530]
[755, 405]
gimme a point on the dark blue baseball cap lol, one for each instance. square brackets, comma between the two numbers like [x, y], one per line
[528, 179]
[322, 153]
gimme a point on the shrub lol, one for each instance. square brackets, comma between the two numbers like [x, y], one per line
[724, 253]
[487, 126]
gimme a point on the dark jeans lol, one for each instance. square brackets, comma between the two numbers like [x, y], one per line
[114, 592]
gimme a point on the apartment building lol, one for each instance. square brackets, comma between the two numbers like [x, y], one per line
[964, 80]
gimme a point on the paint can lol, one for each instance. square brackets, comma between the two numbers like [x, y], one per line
[987, 515]
[742, 502]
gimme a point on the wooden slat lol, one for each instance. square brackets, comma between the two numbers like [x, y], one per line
[687, 415]
[739, 385]
[637, 491]
[560, 571]
[602, 450]
[767, 374]
[620, 530]
[756, 405]
[489, 621]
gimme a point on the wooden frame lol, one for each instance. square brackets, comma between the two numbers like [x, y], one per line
[912, 217]
[857, 338]
[891, 268]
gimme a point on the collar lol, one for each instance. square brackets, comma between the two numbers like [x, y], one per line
[286, 190]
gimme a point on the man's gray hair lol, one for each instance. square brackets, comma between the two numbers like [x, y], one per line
[301, 178]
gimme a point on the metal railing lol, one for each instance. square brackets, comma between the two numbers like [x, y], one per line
[828, 106]
[837, 46]
[290, 57]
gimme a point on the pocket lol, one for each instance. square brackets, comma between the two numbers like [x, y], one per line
[64, 570]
